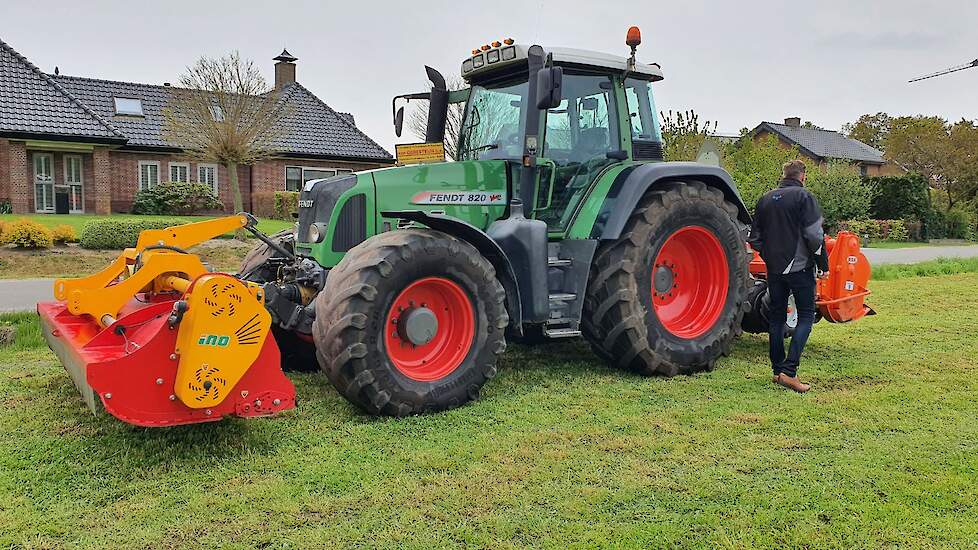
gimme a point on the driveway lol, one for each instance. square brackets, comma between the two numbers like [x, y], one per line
[23, 294]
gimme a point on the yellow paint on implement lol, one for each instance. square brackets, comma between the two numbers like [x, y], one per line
[416, 153]
[220, 337]
[103, 294]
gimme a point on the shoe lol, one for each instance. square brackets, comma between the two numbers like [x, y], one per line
[793, 383]
[775, 378]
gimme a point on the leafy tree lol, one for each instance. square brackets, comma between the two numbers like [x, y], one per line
[841, 192]
[682, 134]
[755, 165]
[224, 111]
[869, 129]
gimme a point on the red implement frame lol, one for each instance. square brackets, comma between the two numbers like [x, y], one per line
[841, 291]
[132, 371]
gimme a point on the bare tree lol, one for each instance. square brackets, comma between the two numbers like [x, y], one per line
[224, 111]
[418, 120]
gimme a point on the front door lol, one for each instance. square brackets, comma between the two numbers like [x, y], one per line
[75, 184]
[43, 182]
[579, 134]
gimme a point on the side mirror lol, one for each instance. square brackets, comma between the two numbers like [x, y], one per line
[398, 121]
[549, 83]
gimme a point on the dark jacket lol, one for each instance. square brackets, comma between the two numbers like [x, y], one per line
[787, 229]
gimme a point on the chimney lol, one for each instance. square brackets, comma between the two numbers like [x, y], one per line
[793, 122]
[284, 69]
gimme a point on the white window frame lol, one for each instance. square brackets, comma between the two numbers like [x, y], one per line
[215, 168]
[50, 185]
[127, 112]
[172, 165]
[80, 183]
[139, 175]
[285, 173]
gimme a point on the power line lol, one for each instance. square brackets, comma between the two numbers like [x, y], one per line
[946, 71]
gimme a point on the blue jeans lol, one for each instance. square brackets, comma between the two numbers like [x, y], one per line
[802, 285]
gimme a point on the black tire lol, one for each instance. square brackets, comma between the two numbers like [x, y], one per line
[756, 319]
[619, 319]
[352, 312]
[253, 266]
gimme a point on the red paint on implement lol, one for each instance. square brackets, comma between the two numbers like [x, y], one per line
[451, 342]
[701, 279]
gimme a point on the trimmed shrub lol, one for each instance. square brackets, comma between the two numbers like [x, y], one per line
[64, 234]
[958, 224]
[899, 197]
[263, 205]
[877, 230]
[176, 198]
[286, 203]
[112, 234]
[25, 233]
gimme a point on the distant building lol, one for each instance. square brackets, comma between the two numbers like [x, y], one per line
[822, 146]
[97, 142]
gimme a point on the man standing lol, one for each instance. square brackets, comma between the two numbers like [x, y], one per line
[787, 232]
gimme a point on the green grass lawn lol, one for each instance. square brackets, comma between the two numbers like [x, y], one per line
[78, 221]
[561, 450]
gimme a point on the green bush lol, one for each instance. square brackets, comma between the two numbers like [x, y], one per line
[25, 233]
[899, 197]
[877, 230]
[176, 198]
[840, 192]
[114, 234]
[958, 224]
[286, 202]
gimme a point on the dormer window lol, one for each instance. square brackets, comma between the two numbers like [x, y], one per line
[217, 113]
[128, 106]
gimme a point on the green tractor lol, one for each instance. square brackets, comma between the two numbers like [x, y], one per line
[558, 219]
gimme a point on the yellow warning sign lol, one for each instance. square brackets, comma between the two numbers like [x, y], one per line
[416, 153]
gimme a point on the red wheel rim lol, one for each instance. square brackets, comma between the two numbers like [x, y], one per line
[452, 339]
[690, 277]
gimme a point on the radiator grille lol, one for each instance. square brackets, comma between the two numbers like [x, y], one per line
[647, 150]
[351, 226]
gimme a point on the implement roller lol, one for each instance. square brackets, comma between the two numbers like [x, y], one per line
[161, 341]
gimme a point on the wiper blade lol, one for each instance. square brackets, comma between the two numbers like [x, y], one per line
[485, 147]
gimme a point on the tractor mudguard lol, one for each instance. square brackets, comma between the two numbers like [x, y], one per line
[631, 185]
[483, 243]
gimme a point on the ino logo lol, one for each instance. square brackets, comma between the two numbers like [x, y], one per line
[213, 340]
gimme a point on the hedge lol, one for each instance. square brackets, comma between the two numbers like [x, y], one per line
[877, 230]
[112, 234]
[176, 198]
[899, 197]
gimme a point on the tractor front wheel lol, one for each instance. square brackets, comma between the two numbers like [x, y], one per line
[411, 321]
[669, 295]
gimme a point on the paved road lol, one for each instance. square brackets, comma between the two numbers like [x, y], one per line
[23, 294]
[919, 254]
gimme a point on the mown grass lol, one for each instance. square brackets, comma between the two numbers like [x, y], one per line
[78, 221]
[940, 266]
[74, 261]
[560, 451]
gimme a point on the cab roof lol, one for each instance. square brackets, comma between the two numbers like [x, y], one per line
[498, 59]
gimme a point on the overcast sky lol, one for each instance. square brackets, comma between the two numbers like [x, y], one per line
[738, 63]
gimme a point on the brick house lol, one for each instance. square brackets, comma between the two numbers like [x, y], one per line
[821, 146]
[92, 144]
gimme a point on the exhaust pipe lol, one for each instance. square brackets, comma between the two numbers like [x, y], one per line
[437, 107]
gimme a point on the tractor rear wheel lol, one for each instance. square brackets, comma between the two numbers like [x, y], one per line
[668, 296]
[411, 321]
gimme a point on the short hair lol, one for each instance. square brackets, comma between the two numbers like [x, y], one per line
[793, 169]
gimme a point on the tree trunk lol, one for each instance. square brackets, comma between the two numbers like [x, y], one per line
[232, 168]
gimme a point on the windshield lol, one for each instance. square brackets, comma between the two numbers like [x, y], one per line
[493, 122]
[641, 110]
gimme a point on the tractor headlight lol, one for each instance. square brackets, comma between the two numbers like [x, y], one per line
[317, 232]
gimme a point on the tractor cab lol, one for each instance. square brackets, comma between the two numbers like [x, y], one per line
[560, 116]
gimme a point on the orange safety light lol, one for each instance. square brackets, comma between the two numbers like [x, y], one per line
[634, 37]
[475, 51]
[496, 44]
[485, 47]
[508, 41]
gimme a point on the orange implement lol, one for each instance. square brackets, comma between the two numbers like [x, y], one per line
[841, 291]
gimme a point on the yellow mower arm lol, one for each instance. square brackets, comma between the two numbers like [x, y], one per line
[102, 294]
